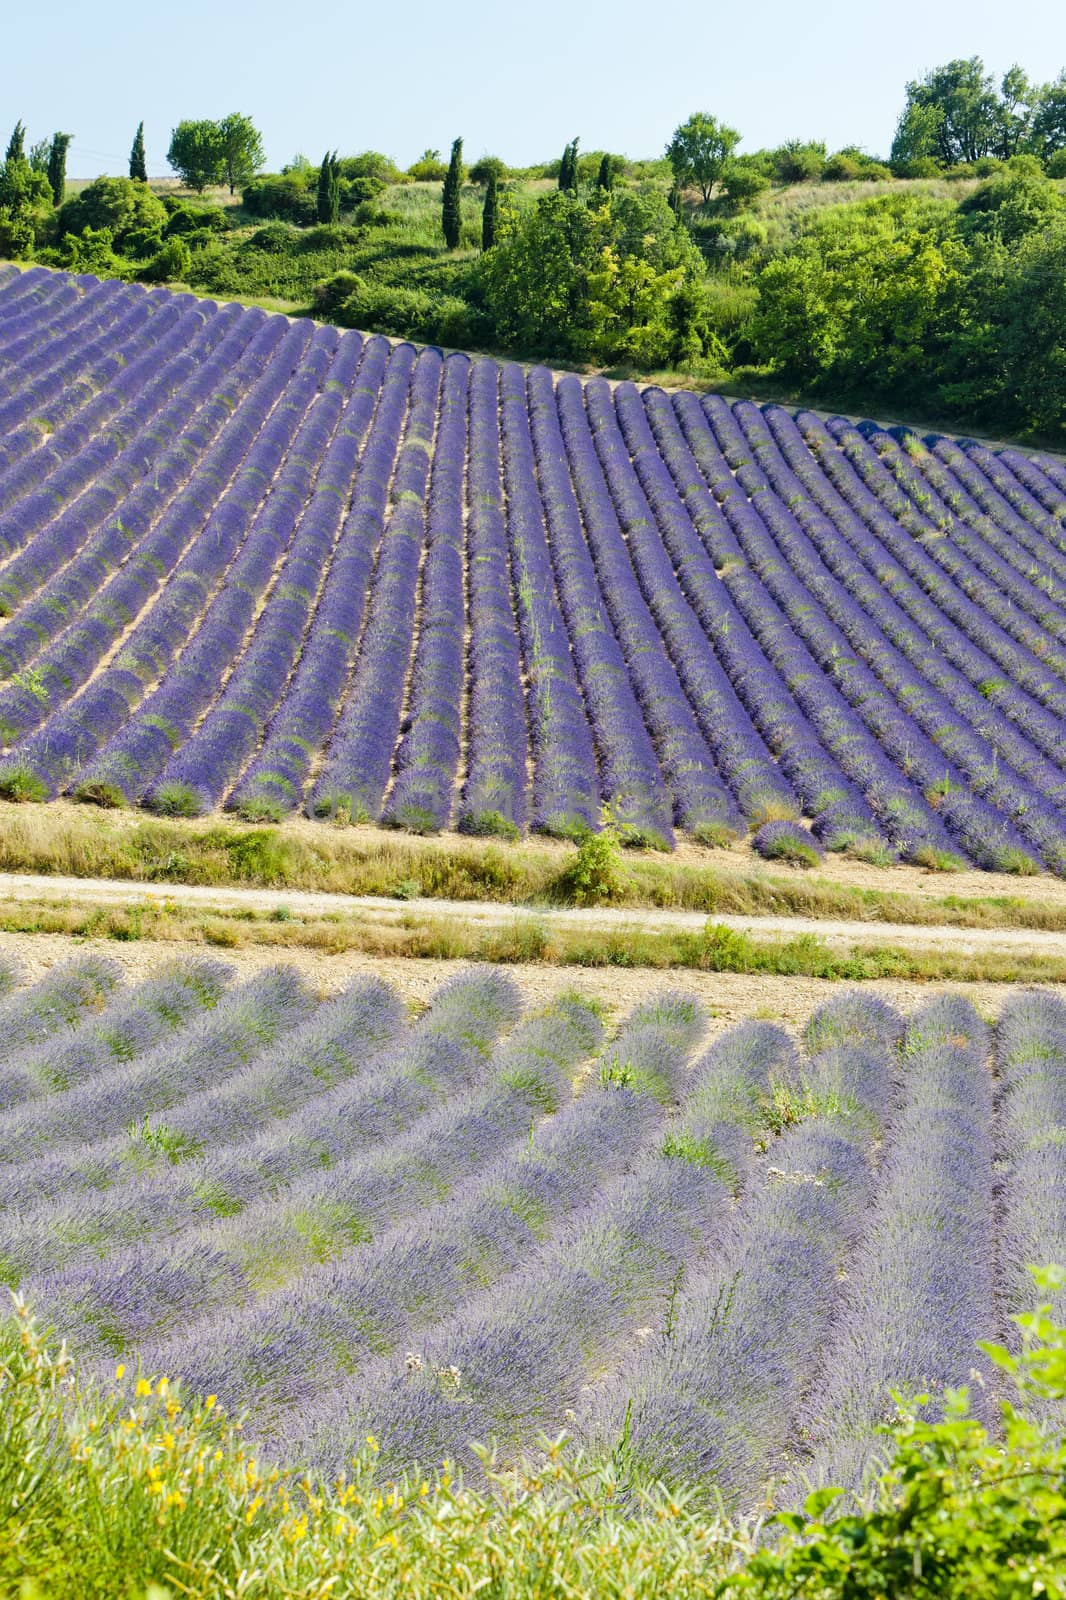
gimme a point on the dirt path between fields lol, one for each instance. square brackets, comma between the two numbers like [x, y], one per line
[490, 914]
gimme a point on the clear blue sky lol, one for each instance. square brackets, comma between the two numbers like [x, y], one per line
[518, 81]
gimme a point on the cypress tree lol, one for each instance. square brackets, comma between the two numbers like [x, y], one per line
[16, 145]
[605, 176]
[489, 214]
[57, 166]
[568, 167]
[138, 159]
[451, 217]
[327, 198]
[673, 200]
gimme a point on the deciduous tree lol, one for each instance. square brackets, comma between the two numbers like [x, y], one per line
[699, 150]
[196, 153]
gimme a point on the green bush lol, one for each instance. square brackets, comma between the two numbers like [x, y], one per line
[185, 219]
[357, 191]
[286, 196]
[276, 239]
[170, 264]
[119, 204]
[1056, 164]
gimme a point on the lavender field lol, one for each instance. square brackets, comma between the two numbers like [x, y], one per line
[272, 566]
[709, 1261]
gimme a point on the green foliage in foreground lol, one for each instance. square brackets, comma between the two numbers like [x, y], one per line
[132, 1491]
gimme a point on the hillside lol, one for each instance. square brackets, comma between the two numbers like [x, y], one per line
[266, 566]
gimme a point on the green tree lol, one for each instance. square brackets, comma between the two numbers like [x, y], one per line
[967, 115]
[568, 168]
[864, 297]
[241, 144]
[741, 183]
[1048, 133]
[699, 151]
[1017, 107]
[592, 281]
[25, 202]
[484, 169]
[138, 159]
[605, 176]
[38, 156]
[917, 136]
[16, 145]
[490, 213]
[328, 194]
[451, 216]
[57, 166]
[196, 154]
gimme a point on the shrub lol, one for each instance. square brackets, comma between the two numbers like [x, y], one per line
[357, 191]
[1056, 164]
[787, 841]
[119, 204]
[170, 264]
[282, 195]
[194, 219]
[276, 238]
[593, 874]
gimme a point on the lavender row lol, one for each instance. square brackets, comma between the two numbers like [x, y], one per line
[119, 507]
[998, 625]
[281, 1225]
[36, 298]
[693, 528]
[274, 782]
[567, 788]
[903, 814]
[129, 1026]
[359, 757]
[428, 755]
[739, 752]
[835, 538]
[287, 550]
[951, 623]
[493, 798]
[223, 1156]
[712, 1402]
[700, 802]
[112, 330]
[512, 1356]
[60, 1000]
[630, 777]
[1031, 1061]
[64, 541]
[193, 543]
[373, 1297]
[972, 547]
[108, 437]
[243, 1023]
[970, 758]
[918, 1295]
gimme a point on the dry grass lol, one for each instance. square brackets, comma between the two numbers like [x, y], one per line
[528, 941]
[62, 839]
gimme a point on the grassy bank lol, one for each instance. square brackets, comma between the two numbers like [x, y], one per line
[65, 840]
